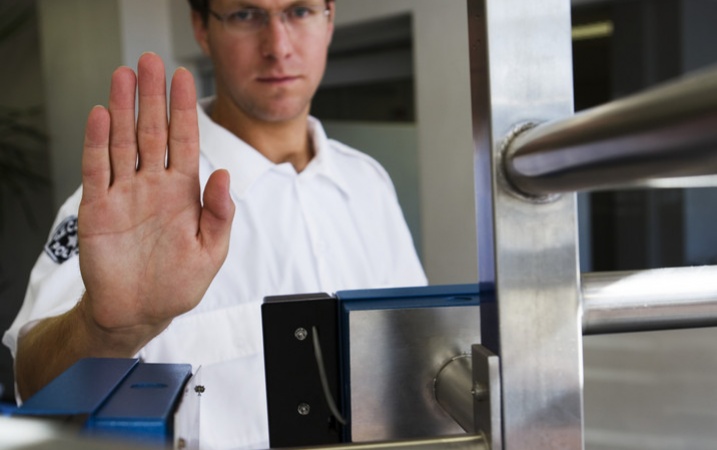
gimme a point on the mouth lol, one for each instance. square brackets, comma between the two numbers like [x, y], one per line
[277, 79]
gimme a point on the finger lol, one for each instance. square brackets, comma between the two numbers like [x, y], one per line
[183, 127]
[152, 120]
[123, 137]
[95, 155]
[217, 214]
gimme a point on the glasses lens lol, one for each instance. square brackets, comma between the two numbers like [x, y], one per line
[301, 18]
[306, 18]
[246, 19]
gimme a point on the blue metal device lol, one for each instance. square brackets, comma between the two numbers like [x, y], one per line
[114, 398]
[331, 360]
[409, 315]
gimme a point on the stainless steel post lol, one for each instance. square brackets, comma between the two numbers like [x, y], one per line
[521, 72]
[659, 299]
[666, 131]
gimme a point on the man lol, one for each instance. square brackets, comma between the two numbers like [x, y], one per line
[158, 276]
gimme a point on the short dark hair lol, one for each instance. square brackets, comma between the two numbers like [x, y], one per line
[202, 7]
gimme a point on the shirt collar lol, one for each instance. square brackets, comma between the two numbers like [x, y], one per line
[226, 151]
[245, 164]
[324, 161]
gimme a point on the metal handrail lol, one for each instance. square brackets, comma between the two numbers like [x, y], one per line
[667, 131]
[462, 442]
[657, 299]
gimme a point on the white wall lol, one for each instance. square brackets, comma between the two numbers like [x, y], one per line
[147, 26]
[82, 42]
[443, 112]
[80, 49]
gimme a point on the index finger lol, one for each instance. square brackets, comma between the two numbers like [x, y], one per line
[95, 155]
[183, 126]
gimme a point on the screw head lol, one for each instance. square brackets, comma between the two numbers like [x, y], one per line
[304, 409]
[301, 334]
[480, 392]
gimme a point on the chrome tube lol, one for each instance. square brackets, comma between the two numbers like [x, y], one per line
[453, 388]
[659, 299]
[468, 442]
[667, 131]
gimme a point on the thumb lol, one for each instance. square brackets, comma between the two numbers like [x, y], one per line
[217, 213]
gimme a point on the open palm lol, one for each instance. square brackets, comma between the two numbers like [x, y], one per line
[149, 248]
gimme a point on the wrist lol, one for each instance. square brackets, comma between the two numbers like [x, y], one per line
[114, 342]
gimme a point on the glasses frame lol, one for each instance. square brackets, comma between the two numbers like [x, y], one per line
[267, 15]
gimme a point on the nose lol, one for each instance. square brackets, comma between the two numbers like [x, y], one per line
[276, 41]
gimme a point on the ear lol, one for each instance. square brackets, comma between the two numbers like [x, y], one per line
[201, 33]
[332, 14]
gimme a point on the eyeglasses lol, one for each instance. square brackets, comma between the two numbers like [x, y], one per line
[250, 20]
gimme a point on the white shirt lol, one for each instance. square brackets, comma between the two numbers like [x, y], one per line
[336, 225]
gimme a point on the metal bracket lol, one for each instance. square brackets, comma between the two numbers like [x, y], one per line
[186, 417]
[486, 395]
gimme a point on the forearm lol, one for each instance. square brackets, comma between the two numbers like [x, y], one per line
[129, 195]
[56, 343]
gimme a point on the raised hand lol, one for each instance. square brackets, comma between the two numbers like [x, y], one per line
[148, 247]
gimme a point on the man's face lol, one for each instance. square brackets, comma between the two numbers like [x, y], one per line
[272, 73]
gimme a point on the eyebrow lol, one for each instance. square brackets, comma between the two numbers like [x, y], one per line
[248, 4]
[240, 4]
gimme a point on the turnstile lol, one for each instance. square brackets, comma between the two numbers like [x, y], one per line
[531, 156]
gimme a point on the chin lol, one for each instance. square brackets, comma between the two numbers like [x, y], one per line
[280, 115]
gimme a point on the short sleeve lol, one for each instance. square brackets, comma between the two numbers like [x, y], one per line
[55, 282]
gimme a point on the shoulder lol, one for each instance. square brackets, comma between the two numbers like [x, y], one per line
[343, 156]
[356, 162]
[72, 203]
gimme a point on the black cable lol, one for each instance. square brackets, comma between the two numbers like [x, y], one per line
[324, 380]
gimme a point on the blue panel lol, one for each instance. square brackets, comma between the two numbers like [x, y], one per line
[417, 291]
[81, 389]
[143, 405]
[413, 297]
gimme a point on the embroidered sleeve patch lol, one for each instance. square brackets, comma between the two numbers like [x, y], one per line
[63, 243]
